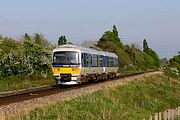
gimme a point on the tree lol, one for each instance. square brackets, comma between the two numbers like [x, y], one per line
[151, 52]
[145, 46]
[40, 40]
[62, 40]
[34, 56]
[115, 31]
[27, 37]
[110, 36]
[8, 44]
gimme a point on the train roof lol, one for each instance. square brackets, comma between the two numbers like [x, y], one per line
[84, 50]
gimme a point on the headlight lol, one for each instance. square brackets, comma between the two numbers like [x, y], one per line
[56, 69]
[74, 69]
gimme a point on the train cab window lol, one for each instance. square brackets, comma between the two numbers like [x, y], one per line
[66, 57]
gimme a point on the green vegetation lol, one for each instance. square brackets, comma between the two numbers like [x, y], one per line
[151, 53]
[131, 101]
[62, 40]
[130, 56]
[24, 59]
[174, 68]
[31, 56]
[13, 83]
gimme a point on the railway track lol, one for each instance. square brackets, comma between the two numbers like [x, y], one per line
[15, 97]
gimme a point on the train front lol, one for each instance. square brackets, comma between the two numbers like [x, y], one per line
[66, 66]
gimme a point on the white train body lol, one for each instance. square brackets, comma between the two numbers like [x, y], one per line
[77, 65]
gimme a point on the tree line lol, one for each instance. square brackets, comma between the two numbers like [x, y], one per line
[129, 55]
[32, 54]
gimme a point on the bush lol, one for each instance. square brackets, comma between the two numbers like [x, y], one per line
[27, 59]
[172, 72]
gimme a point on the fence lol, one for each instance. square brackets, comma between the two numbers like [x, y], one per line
[170, 114]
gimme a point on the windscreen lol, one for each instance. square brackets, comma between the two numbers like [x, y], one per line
[66, 58]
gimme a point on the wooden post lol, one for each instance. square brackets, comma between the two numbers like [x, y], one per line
[173, 114]
[150, 117]
[169, 114]
[156, 116]
[178, 112]
[165, 115]
[160, 116]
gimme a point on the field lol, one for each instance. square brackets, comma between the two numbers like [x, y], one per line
[19, 83]
[131, 101]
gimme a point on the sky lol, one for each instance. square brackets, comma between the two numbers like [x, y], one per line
[157, 21]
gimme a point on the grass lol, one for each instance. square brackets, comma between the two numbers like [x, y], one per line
[20, 82]
[132, 101]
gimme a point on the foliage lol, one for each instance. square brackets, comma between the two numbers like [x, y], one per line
[175, 61]
[115, 32]
[133, 52]
[141, 60]
[152, 53]
[172, 72]
[144, 61]
[145, 46]
[10, 64]
[62, 40]
[35, 57]
[132, 101]
[8, 44]
[27, 37]
[111, 36]
[164, 62]
[26, 58]
[174, 69]
[111, 42]
[129, 56]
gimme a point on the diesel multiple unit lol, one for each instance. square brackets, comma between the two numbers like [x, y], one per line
[77, 65]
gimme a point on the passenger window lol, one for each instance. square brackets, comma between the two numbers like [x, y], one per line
[85, 60]
[107, 61]
[94, 60]
[101, 61]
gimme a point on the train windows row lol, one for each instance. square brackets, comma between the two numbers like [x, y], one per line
[93, 60]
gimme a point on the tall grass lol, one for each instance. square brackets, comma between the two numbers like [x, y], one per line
[132, 101]
[13, 83]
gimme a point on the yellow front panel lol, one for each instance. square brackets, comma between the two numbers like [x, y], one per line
[72, 71]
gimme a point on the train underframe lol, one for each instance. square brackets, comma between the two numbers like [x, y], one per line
[68, 79]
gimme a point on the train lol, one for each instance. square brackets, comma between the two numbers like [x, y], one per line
[73, 65]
